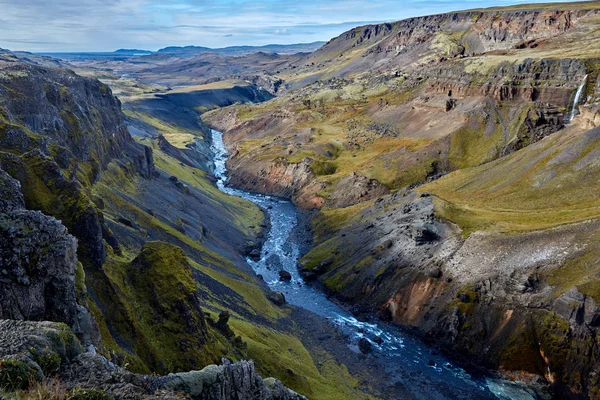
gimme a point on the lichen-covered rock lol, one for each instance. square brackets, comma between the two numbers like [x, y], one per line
[46, 188]
[229, 382]
[37, 268]
[43, 345]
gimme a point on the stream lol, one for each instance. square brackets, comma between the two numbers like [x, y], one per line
[418, 366]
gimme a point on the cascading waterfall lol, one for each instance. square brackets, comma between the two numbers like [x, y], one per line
[577, 99]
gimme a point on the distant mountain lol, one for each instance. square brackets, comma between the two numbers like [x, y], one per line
[133, 51]
[113, 55]
[243, 50]
[186, 49]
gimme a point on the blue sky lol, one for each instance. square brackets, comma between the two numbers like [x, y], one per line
[105, 25]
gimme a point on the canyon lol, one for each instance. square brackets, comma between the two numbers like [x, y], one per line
[410, 211]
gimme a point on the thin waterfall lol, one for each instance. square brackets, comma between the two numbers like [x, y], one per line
[577, 100]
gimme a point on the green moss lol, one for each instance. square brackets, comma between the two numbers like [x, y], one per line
[66, 339]
[579, 270]
[80, 287]
[323, 251]
[162, 294]
[247, 216]
[331, 220]
[323, 167]
[525, 190]
[15, 375]
[471, 146]
[408, 176]
[521, 352]
[177, 135]
[284, 357]
[72, 124]
[253, 295]
[49, 361]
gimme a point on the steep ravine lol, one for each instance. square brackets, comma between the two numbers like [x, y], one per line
[419, 367]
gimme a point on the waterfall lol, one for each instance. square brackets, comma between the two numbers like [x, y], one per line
[577, 99]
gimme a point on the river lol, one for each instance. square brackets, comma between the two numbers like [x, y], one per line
[413, 363]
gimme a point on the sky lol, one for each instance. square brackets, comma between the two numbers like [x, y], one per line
[107, 25]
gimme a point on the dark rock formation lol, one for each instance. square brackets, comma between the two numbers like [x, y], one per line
[79, 115]
[38, 263]
[11, 198]
[27, 340]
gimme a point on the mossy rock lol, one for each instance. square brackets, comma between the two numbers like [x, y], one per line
[172, 327]
[323, 167]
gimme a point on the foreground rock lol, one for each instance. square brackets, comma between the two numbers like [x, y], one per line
[38, 265]
[46, 348]
[229, 381]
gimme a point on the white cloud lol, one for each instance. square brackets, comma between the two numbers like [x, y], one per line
[105, 25]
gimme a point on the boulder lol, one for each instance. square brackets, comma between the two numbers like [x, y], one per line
[309, 277]
[276, 298]
[365, 346]
[285, 276]
[43, 345]
[378, 340]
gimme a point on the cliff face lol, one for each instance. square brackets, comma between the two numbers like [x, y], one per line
[497, 263]
[77, 117]
[410, 43]
[58, 132]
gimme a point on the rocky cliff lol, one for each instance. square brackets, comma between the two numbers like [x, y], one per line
[38, 265]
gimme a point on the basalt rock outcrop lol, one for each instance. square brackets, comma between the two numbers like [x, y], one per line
[38, 266]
